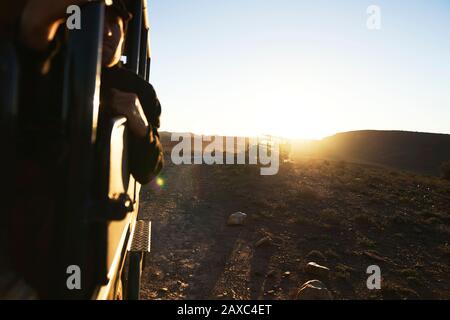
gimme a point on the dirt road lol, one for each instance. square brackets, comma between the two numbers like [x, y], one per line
[195, 254]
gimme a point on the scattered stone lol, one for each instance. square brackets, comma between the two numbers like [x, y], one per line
[271, 274]
[182, 284]
[317, 270]
[375, 256]
[237, 219]
[263, 242]
[287, 274]
[313, 290]
[164, 289]
[153, 295]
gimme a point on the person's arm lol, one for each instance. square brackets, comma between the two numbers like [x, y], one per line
[146, 156]
[129, 105]
[40, 20]
[146, 152]
[149, 154]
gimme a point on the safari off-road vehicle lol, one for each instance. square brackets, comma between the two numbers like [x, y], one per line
[97, 228]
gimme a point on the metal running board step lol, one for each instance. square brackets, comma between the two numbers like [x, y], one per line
[140, 246]
[141, 241]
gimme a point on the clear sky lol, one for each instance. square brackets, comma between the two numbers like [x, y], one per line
[301, 69]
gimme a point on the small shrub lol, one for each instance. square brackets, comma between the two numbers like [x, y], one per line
[409, 273]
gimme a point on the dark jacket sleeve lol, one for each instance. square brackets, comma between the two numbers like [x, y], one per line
[146, 156]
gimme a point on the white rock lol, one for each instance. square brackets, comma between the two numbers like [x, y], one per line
[237, 219]
[313, 290]
[317, 270]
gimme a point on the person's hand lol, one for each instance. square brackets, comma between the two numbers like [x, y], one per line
[128, 105]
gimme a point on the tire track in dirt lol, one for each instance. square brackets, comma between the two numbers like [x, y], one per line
[195, 255]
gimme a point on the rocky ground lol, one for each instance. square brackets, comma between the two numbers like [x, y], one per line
[341, 216]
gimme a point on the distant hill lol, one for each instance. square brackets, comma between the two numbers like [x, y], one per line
[412, 151]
